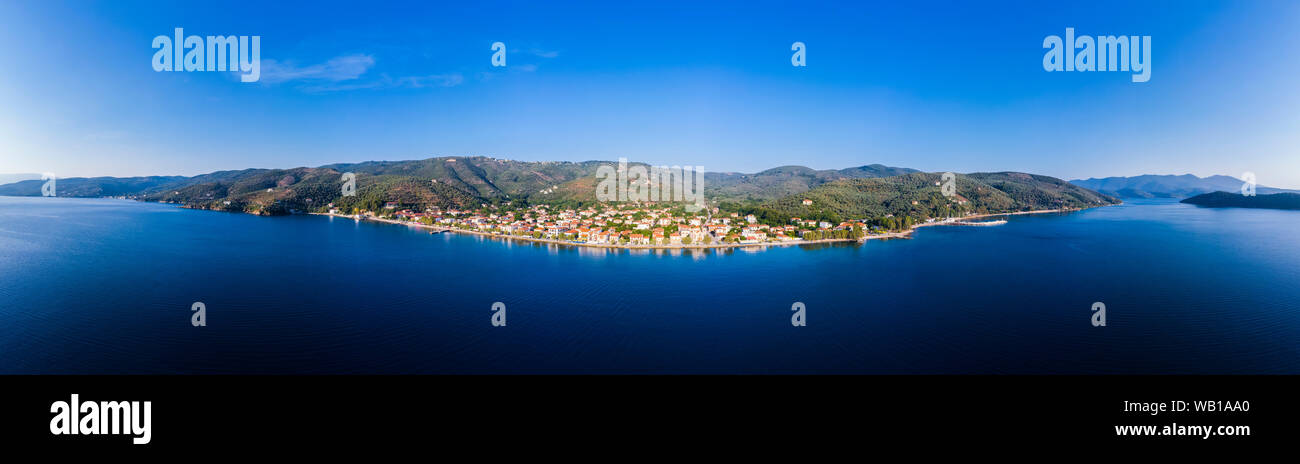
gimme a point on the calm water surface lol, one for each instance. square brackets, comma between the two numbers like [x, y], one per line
[105, 286]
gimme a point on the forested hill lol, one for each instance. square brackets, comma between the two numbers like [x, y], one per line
[1237, 200]
[920, 196]
[473, 182]
[443, 182]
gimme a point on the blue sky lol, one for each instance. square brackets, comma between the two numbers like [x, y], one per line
[937, 86]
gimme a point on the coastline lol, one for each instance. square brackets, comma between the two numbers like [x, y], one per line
[890, 235]
[907, 234]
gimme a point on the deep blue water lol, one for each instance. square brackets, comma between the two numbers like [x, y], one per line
[106, 286]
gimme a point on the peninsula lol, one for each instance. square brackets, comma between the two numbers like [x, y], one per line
[556, 202]
[1289, 201]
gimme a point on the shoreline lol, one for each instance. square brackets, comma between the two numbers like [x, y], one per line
[907, 234]
[988, 215]
[441, 229]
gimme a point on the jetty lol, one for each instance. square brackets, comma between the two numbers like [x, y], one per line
[956, 222]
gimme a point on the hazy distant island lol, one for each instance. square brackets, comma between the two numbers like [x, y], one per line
[1237, 200]
[1168, 186]
[556, 201]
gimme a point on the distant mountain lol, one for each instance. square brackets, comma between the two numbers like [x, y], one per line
[11, 178]
[443, 182]
[1237, 200]
[1167, 186]
[89, 187]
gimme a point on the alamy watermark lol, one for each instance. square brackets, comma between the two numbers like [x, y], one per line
[658, 183]
[800, 316]
[213, 53]
[77, 417]
[498, 314]
[1099, 314]
[1103, 53]
[949, 186]
[349, 184]
[1248, 184]
[498, 54]
[200, 317]
[48, 188]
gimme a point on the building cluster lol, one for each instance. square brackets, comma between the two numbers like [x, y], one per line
[622, 224]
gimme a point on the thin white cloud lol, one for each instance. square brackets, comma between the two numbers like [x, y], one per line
[436, 80]
[348, 72]
[339, 86]
[338, 69]
[538, 52]
[385, 81]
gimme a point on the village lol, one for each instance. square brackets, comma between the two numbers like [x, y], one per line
[625, 224]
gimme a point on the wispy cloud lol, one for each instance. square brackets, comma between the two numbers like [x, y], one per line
[538, 52]
[348, 72]
[545, 53]
[436, 80]
[338, 69]
[387, 82]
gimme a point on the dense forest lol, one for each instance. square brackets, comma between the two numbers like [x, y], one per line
[888, 196]
[1237, 200]
[919, 196]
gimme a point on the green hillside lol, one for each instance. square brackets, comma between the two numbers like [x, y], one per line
[775, 195]
[1236, 200]
[919, 196]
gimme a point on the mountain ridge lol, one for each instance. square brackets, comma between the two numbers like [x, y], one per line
[472, 182]
[1167, 185]
[920, 196]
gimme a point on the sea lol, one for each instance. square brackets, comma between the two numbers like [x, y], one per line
[105, 286]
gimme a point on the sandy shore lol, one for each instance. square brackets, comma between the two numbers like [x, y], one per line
[891, 235]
